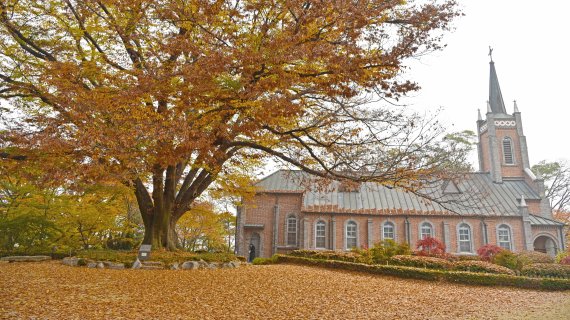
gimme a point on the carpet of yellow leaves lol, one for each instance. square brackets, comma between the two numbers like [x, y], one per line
[53, 291]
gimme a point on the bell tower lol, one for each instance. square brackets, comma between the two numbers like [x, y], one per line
[502, 147]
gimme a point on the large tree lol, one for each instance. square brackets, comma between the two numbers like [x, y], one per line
[169, 96]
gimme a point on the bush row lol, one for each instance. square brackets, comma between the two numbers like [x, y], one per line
[435, 275]
[262, 261]
[546, 270]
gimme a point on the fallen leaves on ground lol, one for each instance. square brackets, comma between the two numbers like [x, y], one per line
[53, 291]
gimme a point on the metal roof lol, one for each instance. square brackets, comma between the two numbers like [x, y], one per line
[541, 221]
[478, 195]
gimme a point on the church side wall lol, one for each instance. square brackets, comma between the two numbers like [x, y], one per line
[437, 222]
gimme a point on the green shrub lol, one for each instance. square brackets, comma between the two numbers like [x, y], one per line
[384, 250]
[531, 257]
[481, 266]
[562, 257]
[546, 270]
[262, 261]
[328, 255]
[508, 259]
[464, 258]
[421, 262]
[121, 243]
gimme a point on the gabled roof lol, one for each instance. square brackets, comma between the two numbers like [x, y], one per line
[542, 221]
[477, 195]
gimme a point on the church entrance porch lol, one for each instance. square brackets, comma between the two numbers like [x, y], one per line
[255, 244]
[545, 244]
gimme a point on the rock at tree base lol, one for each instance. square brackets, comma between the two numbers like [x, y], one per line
[190, 265]
[137, 264]
[70, 261]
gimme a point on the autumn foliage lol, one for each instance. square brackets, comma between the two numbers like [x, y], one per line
[488, 252]
[430, 246]
[175, 99]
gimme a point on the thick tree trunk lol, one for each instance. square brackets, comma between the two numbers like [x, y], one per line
[160, 230]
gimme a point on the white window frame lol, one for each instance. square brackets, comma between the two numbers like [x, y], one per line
[324, 235]
[347, 224]
[421, 231]
[469, 241]
[383, 231]
[289, 232]
[509, 242]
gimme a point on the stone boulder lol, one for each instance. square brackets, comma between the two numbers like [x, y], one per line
[174, 266]
[91, 264]
[137, 264]
[152, 265]
[26, 258]
[70, 261]
[190, 265]
[114, 265]
[100, 265]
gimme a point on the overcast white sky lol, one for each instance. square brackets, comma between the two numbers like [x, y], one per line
[531, 53]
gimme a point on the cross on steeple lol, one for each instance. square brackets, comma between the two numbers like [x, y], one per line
[491, 53]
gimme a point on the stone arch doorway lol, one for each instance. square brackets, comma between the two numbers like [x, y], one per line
[256, 241]
[545, 244]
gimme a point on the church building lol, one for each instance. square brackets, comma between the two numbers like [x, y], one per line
[506, 204]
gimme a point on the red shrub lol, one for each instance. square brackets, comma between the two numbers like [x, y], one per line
[487, 252]
[430, 247]
[565, 260]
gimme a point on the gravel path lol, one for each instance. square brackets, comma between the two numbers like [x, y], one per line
[53, 291]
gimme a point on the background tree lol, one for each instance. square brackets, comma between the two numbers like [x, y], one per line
[170, 97]
[206, 229]
[556, 177]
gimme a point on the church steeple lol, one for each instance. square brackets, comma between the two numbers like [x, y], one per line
[502, 144]
[495, 97]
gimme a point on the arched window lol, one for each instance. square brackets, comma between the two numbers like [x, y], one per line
[320, 235]
[464, 232]
[351, 235]
[291, 231]
[508, 154]
[388, 231]
[504, 237]
[426, 230]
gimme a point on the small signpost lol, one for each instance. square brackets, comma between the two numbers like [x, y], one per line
[144, 252]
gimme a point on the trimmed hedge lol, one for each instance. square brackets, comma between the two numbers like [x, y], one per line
[262, 261]
[546, 270]
[435, 275]
[531, 257]
[329, 255]
[481, 266]
[421, 262]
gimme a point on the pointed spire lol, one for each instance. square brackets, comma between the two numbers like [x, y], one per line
[495, 96]
[523, 202]
[479, 118]
[489, 108]
[516, 107]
